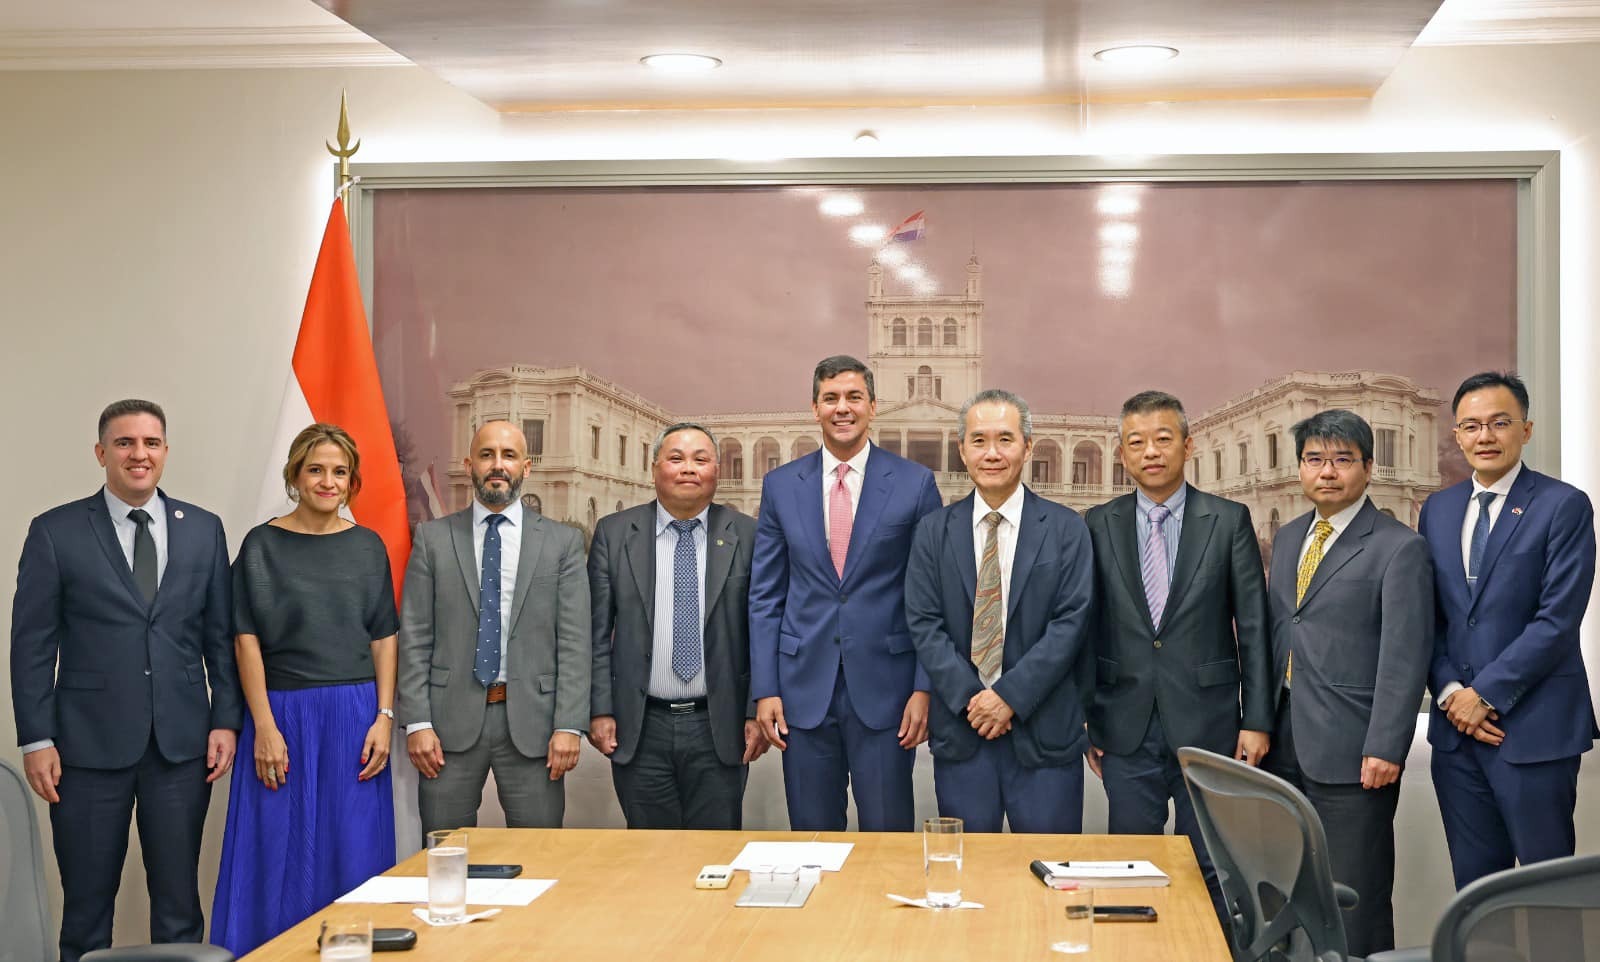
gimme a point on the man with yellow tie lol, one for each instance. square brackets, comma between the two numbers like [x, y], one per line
[1350, 598]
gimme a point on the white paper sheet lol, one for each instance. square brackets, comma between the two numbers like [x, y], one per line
[829, 855]
[480, 891]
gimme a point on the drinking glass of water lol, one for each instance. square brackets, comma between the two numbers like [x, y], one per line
[447, 876]
[941, 861]
[1069, 919]
[347, 942]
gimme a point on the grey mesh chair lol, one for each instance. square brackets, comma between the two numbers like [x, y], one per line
[160, 953]
[25, 934]
[1272, 860]
[1545, 912]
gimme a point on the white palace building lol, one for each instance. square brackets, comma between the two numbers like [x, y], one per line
[590, 438]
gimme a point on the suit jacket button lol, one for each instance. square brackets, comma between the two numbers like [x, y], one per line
[843, 599]
[1158, 642]
[147, 673]
[1297, 619]
[1472, 622]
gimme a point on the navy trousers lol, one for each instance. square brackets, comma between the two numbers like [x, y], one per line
[992, 785]
[841, 754]
[1497, 814]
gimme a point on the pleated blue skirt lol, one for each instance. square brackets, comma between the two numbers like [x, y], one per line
[287, 854]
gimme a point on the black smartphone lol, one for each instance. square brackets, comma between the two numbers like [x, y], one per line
[1124, 913]
[493, 871]
[393, 940]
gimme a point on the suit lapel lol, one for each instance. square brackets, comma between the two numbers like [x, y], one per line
[1286, 556]
[808, 504]
[875, 488]
[1453, 511]
[100, 521]
[722, 543]
[466, 557]
[1125, 552]
[639, 554]
[1350, 543]
[1522, 494]
[958, 539]
[1030, 538]
[1194, 537]
[534, 547]
[180, 545]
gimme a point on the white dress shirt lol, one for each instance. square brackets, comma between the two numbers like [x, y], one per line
[664, 682]
[1502, 488]
[1005, 540]
[125, 530]
[1339, 521]
[852, 482]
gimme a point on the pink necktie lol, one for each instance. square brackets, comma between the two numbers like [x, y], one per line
[839, 520]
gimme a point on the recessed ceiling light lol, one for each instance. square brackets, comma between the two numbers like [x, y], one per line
[680, 62]
[1136, 53]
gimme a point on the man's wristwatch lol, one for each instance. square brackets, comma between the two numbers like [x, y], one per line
[387, 713]
[1484, 704]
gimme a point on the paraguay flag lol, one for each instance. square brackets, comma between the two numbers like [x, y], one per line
[910, 229]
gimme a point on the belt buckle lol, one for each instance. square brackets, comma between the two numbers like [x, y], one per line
[681, 707]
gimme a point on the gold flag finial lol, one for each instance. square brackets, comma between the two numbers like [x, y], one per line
[345, 150]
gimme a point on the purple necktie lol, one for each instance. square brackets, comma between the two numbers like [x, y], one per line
[1153, 565]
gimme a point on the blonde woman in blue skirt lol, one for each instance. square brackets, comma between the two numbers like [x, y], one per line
[310, 810]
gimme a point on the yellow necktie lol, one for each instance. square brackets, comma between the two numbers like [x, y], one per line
[1302, 578]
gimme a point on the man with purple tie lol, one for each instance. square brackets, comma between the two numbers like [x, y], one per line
[832, 668]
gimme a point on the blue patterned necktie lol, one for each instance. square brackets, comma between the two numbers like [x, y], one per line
[685, 602]
[486, 668]
[1480, 537]
[1153, 565]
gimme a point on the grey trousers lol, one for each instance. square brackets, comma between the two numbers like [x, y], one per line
[528, 796]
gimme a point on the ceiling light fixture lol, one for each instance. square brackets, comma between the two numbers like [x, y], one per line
[1136, 54]
[867, 138]
[841, 205]
[680, 62]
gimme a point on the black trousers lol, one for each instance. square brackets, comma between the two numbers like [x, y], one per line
[675, 779]
[90, 825]
[1359, 824]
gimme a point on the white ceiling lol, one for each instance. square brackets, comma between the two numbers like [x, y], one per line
[583, 54]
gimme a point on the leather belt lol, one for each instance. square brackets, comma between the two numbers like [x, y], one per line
[684, 706]
[497, 693]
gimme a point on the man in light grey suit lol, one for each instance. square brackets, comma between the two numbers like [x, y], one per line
[494, 649]
[1350, 601]
[669, 587]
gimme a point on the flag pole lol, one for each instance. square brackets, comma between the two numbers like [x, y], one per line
[345, 150]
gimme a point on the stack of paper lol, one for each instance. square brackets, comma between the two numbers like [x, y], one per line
[1101, 875]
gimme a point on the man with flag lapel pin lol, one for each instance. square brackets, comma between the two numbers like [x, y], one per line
[1512, 713]
[123, 682]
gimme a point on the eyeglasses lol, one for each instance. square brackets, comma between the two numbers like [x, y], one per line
[1497, 426]
[1340, 462]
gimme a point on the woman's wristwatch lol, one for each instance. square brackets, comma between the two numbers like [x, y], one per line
[387, 713]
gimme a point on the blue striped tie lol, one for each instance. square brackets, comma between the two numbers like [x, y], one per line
[685, 602]
[1153, 565]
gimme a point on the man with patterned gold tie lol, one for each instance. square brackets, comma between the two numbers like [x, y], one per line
[998, 594]
[1350, 601]
[836, 682]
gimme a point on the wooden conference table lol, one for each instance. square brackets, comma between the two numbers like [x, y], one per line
[625, 895]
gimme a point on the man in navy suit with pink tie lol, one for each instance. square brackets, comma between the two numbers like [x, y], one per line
[832, 668]
[1513, 556]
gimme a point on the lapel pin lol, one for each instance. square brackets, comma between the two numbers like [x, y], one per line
[179, 514]
[719, 542]
[1516, 510]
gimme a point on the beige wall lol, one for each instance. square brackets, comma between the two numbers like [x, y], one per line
[159, 229]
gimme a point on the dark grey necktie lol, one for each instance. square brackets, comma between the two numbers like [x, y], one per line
[144, 554]
[685, 602]
[1480, 537]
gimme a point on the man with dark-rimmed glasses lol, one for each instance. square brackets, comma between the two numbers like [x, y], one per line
[1514, 555]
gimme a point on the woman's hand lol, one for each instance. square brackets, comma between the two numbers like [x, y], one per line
[375, 750]
[272, 757]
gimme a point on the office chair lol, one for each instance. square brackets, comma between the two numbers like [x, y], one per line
[1545, 912]
[1271, 856]
[160, 953]
[25, 936]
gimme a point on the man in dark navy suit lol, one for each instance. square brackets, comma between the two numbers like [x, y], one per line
[1513, 558]
[835, 679]
[123, 682]
[998, 598]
